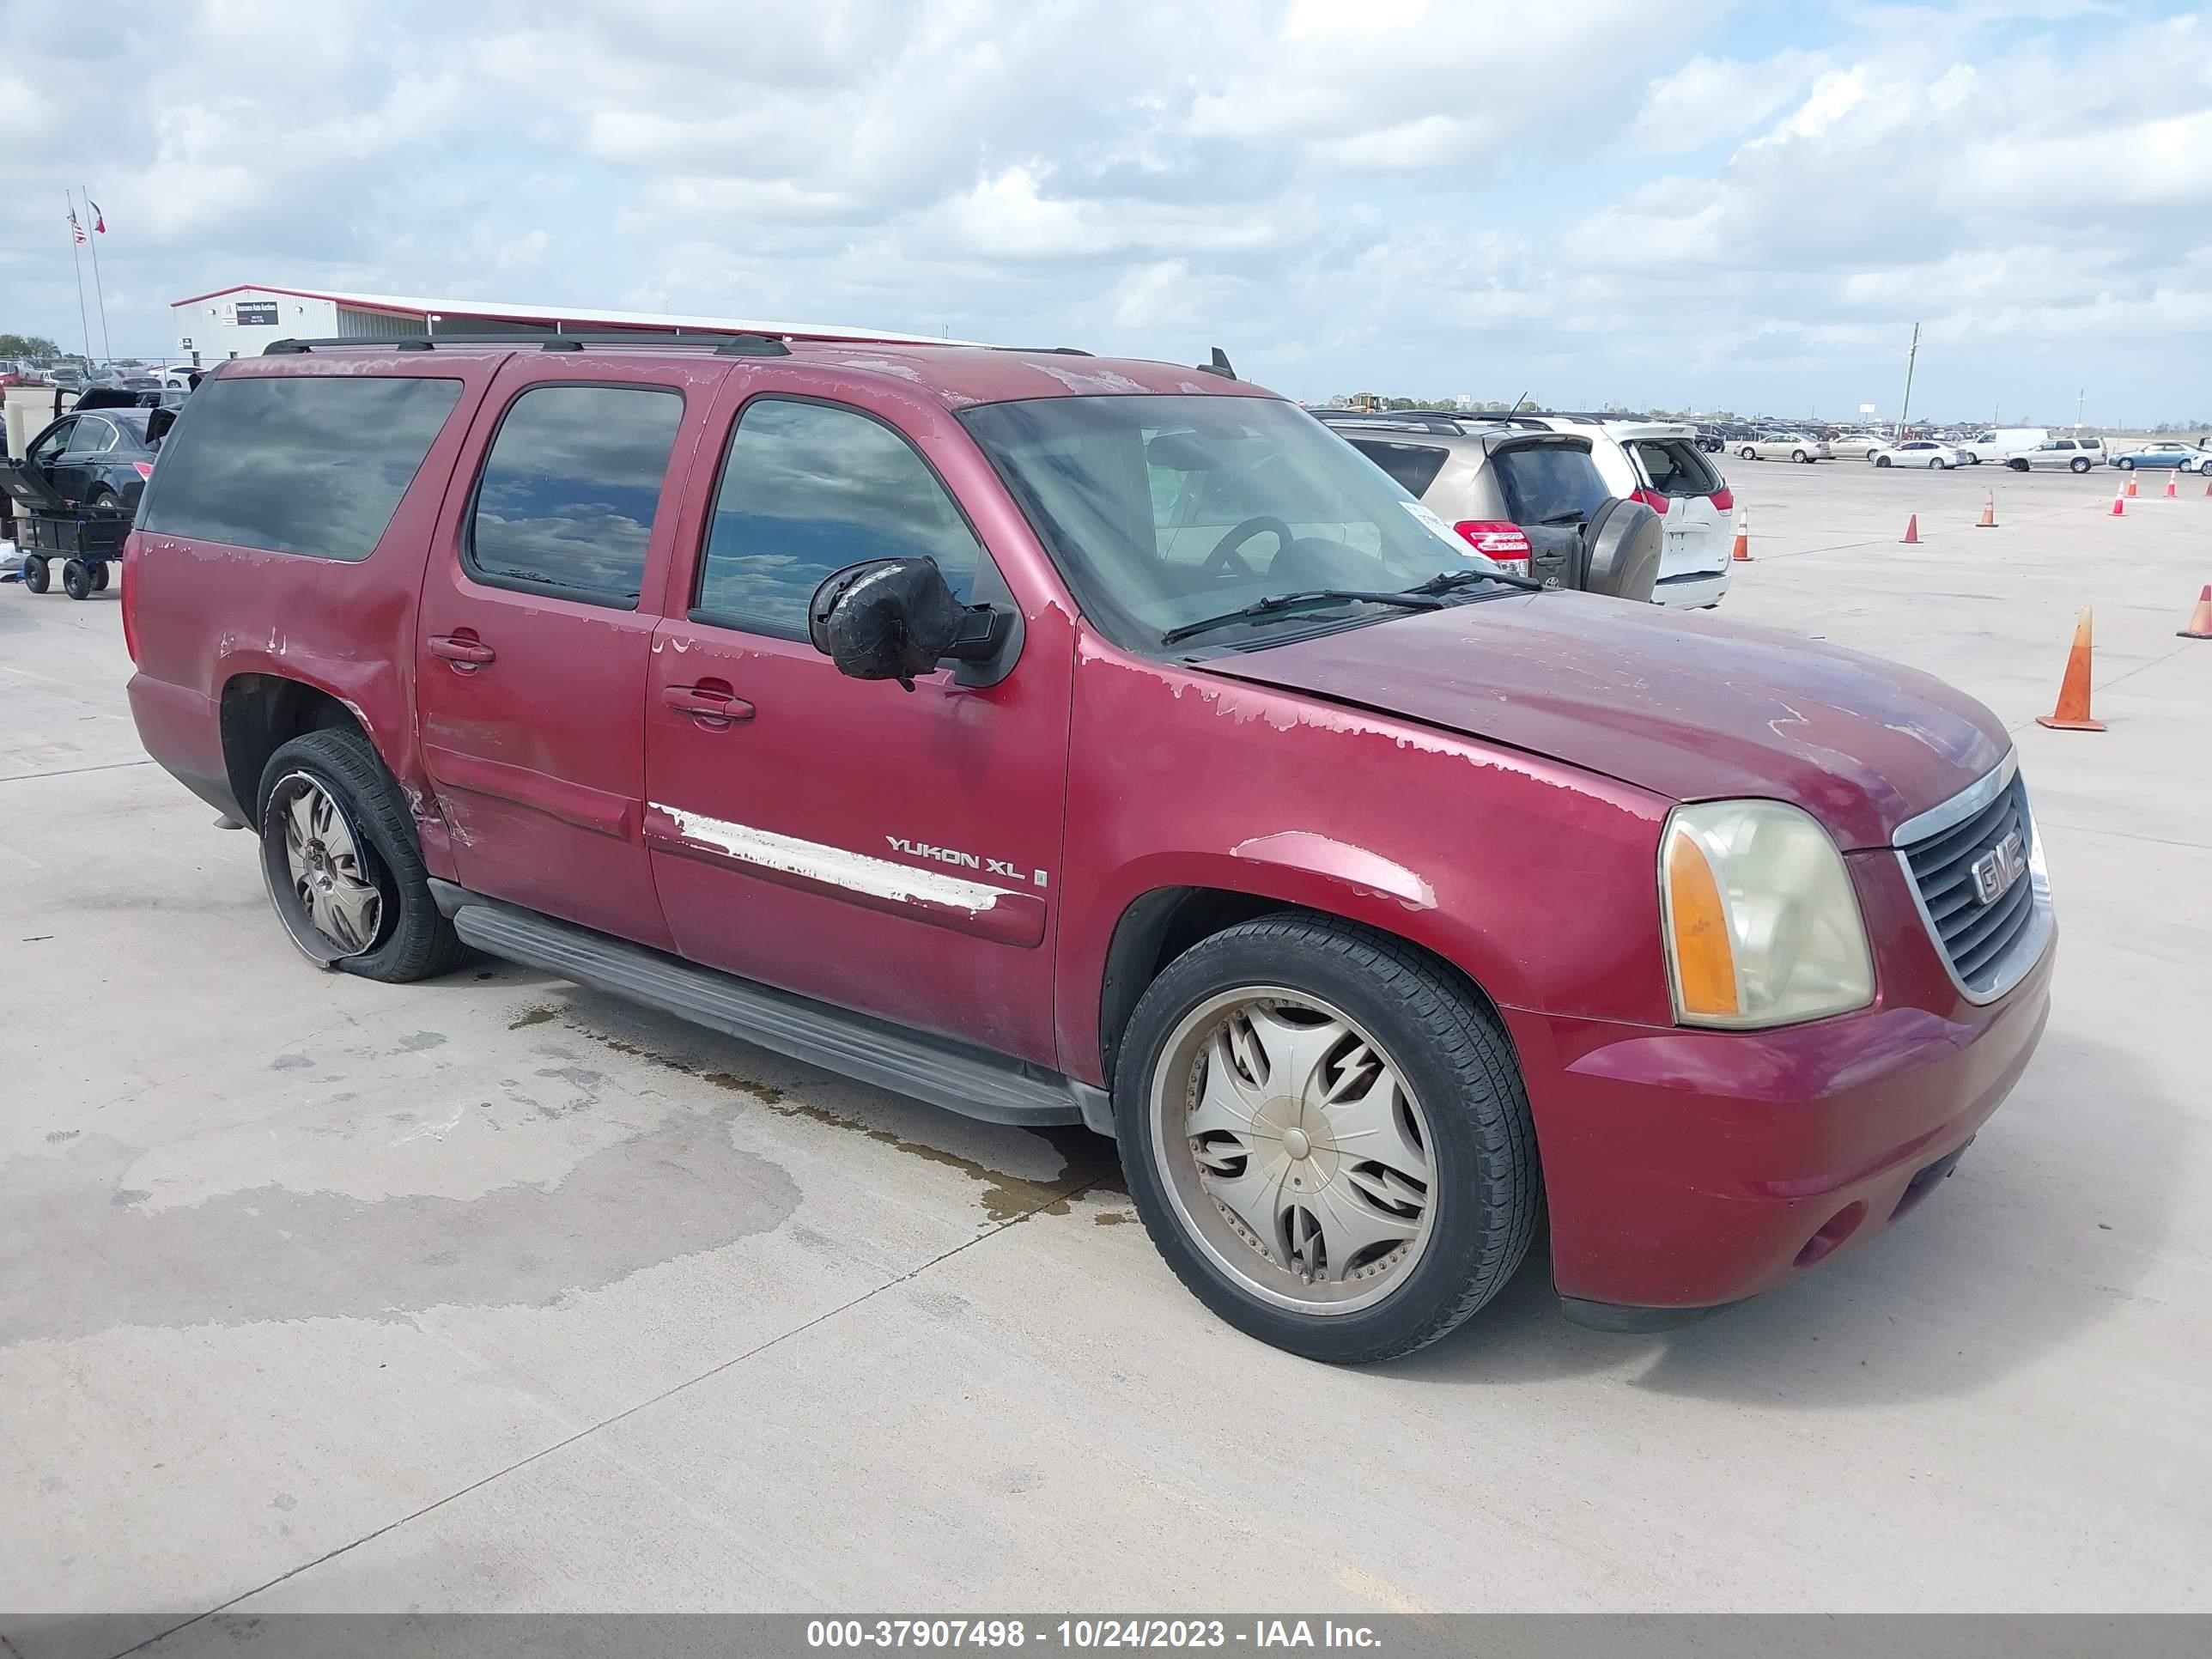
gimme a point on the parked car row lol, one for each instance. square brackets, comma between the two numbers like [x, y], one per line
[1535, 488]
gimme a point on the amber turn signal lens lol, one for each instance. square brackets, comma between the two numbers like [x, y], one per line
[1705, 964]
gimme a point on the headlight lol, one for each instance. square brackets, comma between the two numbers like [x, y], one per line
[1762, 926]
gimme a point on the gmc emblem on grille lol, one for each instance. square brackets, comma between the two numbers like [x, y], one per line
[1996, 870]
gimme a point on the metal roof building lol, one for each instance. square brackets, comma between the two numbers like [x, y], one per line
[239, 322]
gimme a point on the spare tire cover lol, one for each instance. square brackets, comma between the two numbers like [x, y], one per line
[1625, 539]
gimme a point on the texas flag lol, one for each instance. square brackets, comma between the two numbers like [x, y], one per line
[99, 219]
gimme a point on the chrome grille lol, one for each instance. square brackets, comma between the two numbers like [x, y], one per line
[1987, 947]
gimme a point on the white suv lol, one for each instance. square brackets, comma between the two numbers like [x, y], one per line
[1659, 464]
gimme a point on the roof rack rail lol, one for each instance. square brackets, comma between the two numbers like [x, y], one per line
[744, 341]
[1426, 420]
[1048, 351]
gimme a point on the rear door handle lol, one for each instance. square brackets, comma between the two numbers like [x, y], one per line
[461, 650]
[713, 703]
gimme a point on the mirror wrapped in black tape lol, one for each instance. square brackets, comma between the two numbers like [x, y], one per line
[888, 619]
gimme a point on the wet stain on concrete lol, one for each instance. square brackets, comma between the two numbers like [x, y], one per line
[1112, 1219]
[270, 1253]
[290, 1063]
[537, 1016]
[420, 1041]
[1088, 1161]
[60, 1135]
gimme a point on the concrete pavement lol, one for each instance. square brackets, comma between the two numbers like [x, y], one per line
[493, 1294]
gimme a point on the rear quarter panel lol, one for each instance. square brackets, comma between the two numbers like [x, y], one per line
[1537, 880]
[205, 612]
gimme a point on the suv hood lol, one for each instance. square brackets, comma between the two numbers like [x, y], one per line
[1684, 705]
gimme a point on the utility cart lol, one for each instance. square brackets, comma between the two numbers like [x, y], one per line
[86, 539]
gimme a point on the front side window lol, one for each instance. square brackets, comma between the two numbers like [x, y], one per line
[808, 488]
[570, 489]
[296, 463]
[48, 448]
[1166, 510]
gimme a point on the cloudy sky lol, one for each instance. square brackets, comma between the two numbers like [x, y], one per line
[1688, 203]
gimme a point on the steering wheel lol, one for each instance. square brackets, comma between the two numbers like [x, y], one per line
[1224, 560]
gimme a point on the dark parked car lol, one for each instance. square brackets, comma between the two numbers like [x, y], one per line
[1064, 739]
[100, 459]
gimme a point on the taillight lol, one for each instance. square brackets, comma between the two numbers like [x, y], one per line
[143, 468]
[1502, 543]
[1724, 500]
[129, 596]
[1652, 499]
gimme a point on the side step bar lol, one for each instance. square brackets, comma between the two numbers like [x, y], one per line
[971, 1081]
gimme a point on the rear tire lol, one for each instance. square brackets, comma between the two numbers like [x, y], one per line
[35, 574]
[99, 577]
[2077, 464]
[1800, 457]
[76, 581]
[1940, 464]
[1332, 1017]
[370, 832]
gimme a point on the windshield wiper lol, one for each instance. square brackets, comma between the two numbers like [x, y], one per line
[1445, 581]
[1411, 600]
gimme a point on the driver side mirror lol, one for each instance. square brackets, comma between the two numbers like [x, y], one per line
[893, 619]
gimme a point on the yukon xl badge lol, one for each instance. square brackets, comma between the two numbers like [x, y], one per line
[1996, 870]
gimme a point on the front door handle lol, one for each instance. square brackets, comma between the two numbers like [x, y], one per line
[711, 702]
[465, 651]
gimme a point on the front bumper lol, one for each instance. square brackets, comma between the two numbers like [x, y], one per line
[1685, 1169]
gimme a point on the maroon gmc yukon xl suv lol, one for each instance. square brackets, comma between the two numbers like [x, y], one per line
[1064, 740]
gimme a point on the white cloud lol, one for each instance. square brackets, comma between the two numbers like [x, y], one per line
[1428, 193]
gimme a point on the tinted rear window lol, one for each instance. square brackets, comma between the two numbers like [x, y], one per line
[1415, 466]
[570, 489]
[296, 463]
[1549, 481]
[1676, 466]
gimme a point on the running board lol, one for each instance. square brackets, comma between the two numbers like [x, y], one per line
[971, 1081]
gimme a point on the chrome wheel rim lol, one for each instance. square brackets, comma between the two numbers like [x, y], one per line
[329, 899]
[1293, 1153]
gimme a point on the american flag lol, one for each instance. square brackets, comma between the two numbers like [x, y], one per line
[76, 230]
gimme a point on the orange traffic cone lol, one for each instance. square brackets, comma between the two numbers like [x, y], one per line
[2119, 503]
[2200, 620]
[2072, 714]
[2130, 491]
[1742, 553]
[2172, 477]
[2208, 483]
[1989, 519]
[1911, 536]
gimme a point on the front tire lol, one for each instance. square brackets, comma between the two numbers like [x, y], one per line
[36, 576]
[1326, 1137]
[339, 857]
[2125, 465]
[1881, 460]
[76, 581]
[1749, 453]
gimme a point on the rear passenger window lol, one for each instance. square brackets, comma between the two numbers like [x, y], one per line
[808, 488]
[1415, 466]
[566, 503]
[293, 463]
[1549, 483]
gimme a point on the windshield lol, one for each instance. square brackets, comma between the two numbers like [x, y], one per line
[1162, 511]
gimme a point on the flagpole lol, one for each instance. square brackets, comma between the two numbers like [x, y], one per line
[92, 241]
[77, 260]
